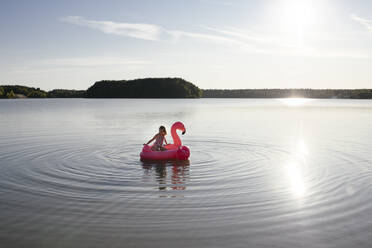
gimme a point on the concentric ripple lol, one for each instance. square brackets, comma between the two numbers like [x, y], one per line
[259, 175]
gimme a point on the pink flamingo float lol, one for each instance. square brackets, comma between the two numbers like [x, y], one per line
[174, 151]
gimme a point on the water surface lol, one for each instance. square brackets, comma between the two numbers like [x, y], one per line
[262, 173]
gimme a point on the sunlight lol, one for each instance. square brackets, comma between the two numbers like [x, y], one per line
[295, 17]
[296, 180]
[302, 148]
[295, 101]
[294, 169]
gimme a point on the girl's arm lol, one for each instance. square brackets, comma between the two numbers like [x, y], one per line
[151, 140]
[165, 141]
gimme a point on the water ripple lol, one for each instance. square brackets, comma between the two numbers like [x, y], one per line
[72, 185]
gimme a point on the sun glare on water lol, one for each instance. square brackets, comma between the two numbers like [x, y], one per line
[294, 169]
[295, 101]
[295, 177]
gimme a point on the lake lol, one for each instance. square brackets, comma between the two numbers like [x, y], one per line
[262, 173]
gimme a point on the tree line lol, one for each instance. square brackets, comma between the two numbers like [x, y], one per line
[138, 88]
[19, 91]
[174, 88]
[285, 93]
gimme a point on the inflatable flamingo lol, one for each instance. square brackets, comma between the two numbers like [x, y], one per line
[174, 151]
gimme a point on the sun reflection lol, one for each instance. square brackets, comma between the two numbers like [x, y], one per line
[295, 101]
[294, 169]
[302, 148]
[296, 179]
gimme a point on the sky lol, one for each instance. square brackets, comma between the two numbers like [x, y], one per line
[218, 44]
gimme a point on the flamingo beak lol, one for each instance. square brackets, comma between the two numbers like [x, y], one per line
[184, 131]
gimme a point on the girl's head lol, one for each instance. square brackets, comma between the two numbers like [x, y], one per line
[162, 130]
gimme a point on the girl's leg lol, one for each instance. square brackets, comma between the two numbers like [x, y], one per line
[154, 148]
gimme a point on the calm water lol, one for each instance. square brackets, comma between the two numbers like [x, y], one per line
[262, 173]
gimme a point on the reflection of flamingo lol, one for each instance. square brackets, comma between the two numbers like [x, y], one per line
[178, 177]
[158, 169]
[174, 151]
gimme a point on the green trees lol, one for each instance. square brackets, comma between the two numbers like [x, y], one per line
[175, 88]
[61, 93]
[282, 93]
[139, 88]
[37, 94]
[145, 88]
[10, 95]
[14, 91]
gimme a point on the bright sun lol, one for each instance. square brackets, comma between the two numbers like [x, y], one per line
[295, 17]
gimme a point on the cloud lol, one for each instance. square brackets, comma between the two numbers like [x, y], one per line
[253, 37]
[157, 33]
[134, 30]
[218, 39]
[92, 61]
[238, 39]
[147, 31]
[366, 23]
[61, 64]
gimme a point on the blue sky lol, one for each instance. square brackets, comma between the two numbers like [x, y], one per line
[212, 43]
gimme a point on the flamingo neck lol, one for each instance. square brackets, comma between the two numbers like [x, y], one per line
[175, 137]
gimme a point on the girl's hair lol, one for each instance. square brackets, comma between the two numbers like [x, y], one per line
[162, 128]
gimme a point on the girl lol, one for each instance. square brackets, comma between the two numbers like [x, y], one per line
[159, 139]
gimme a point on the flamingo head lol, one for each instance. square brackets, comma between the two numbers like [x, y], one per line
[179, 126]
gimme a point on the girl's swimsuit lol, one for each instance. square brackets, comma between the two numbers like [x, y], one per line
[159, 141]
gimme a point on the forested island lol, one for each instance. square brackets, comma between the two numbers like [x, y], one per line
[144, 88]
[174, 88]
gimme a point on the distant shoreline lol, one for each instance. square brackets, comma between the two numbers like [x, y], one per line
[174, 88]
[290, 93]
